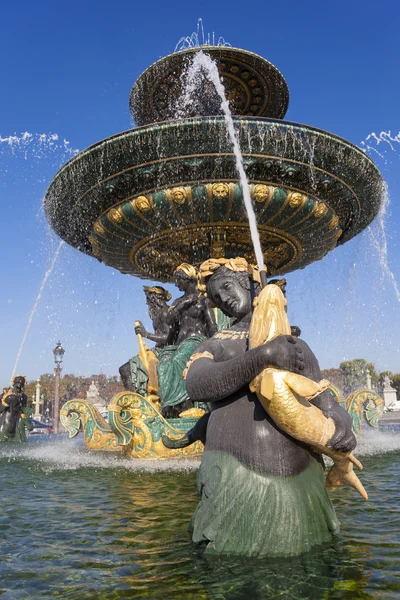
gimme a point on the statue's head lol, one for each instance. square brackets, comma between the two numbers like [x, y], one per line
[185, 276]
[228, 283]
[18, 383]
[156, 298]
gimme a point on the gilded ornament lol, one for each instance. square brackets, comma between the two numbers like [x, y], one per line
[195, 357]
[320, 209]
[93, 242]
[99, 227]
[231, 334]
[192, 413]
[297, 199]
[234, 69]
[261, 192]
[220, 190]
[179, 195]
[189, 270]
[142, 203]
[157, 289]
[116, 215]
[334, 222]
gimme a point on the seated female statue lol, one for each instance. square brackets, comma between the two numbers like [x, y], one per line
[261, 491]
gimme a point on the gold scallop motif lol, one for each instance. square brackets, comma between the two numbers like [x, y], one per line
[178, 195]
[220, 190]
[142, 203]
[261, 192]
[116, 215]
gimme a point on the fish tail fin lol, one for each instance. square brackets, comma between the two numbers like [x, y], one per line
[355, 461]
[337, 476]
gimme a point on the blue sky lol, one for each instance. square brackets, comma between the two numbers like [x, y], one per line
[67, 70]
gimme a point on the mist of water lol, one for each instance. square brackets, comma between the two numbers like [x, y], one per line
[35, 305]
[36, 145]
[70, 455]
[203, 63]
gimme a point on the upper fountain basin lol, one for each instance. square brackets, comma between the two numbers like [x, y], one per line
[253, 86]
[145, 200]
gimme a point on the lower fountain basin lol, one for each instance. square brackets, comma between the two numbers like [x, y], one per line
[145, 200]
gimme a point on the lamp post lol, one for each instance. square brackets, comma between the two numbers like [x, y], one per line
[58, 358]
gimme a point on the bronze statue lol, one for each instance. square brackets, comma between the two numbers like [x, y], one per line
[254, 478]
[133, 373]
[178, 330]
[13, 402]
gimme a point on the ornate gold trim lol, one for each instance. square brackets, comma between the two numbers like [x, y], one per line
[231, 334]
[193, 359]
[219, 155]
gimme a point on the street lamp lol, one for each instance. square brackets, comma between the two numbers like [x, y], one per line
[58, 358]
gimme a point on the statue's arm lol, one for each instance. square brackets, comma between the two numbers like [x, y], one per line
[209, 317]
[212, 379]
[159, 338]
[178, 306]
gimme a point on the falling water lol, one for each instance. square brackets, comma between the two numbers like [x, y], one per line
[203, 63]
[377, 231]
[378, 237]
[34, 309]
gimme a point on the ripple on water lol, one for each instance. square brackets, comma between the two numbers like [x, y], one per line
[102, 527]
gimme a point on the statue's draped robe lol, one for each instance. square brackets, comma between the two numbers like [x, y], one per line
[172, 363]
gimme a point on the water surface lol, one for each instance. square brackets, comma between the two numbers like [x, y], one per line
[80, 525]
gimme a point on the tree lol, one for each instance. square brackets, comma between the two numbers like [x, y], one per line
[335, 376]
[395, 381]
[355, 374]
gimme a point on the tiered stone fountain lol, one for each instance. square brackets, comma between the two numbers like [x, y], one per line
[145, 200]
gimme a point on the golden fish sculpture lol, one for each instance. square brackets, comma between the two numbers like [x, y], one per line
[286, 396]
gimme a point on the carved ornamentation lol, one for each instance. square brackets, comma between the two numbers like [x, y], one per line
[142, 203]
[178, 195]
[98, 227]
[297, 199]
[98, 435]
[139, 428]
[261, 192]
[252, 85]
[320, 209]
[220, 190]
[334, 222]
[116, 215]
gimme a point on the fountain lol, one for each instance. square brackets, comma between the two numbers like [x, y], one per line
[165, 198]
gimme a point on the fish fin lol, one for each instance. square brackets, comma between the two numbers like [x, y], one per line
[337, 477]
[267, 386]
[301, 385]
[355, 461]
